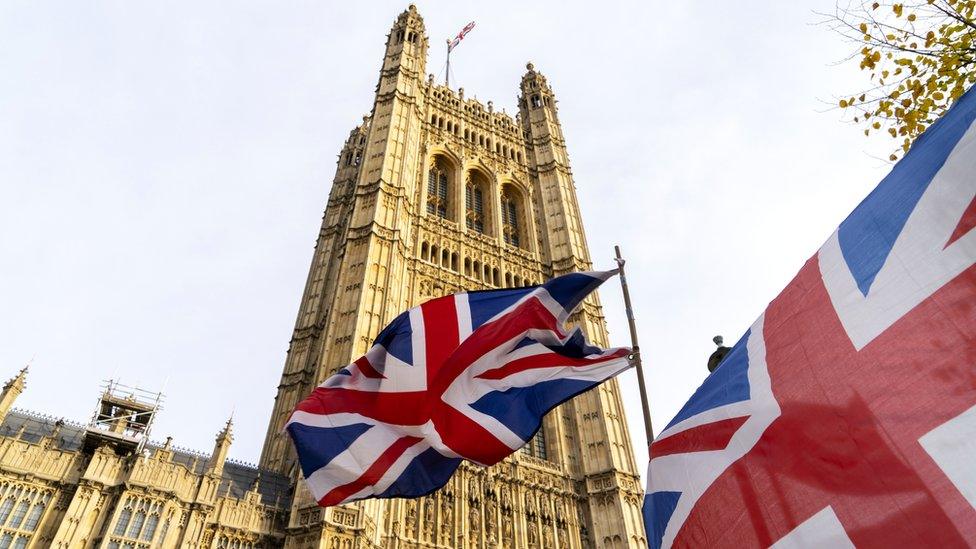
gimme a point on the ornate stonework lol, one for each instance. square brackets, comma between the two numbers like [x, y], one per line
[104, 485]
[436, 193]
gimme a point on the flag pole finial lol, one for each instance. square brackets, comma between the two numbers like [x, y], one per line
[636, 359]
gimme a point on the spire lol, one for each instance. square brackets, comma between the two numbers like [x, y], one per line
[535, 89]
[11, 390]
[406, 45]
[215, 465]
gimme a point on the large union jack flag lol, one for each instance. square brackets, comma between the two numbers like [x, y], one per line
[466, 376]
[846, 416]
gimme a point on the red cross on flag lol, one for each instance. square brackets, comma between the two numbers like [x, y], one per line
[846, 415]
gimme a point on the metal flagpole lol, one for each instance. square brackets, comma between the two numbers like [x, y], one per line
[447, 72]
[648, 431]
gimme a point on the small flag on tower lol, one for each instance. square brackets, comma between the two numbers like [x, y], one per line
[468, 375]
[846, 416]
[457, 39]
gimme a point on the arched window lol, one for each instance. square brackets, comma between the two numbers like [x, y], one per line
[150, 529]
[8, 504]
[454, 262]
[19, 513]
[510, 217]
[425, 251]
[137, 525]
[474, 203]
[437, 190]
[467, 266]
[445, 258]
[34, 517]
[536, 447]
[434, 254]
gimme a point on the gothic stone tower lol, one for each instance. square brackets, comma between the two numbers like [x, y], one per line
[434, 194]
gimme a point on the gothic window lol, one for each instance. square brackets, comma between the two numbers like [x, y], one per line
[124, 517]
[425, 251]
[510, 217]
[162, 534]
[137, 522]
[437, 191]
[8, 505]
[34, 517]
[150, 528]
[474, 204]
[536, 102]
[19, 514]
[536, 447]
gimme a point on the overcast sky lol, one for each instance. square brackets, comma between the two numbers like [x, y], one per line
[164, 167]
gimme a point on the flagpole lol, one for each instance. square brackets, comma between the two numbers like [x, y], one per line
[447, 71]
[648, 431]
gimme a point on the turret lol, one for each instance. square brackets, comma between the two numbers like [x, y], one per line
[406, 45]
[549, 160]
[215, 465]
[536, 94]
[11, 390]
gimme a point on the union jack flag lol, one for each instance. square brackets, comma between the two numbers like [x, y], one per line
[457, 39]
[846, 416]
[468, 375]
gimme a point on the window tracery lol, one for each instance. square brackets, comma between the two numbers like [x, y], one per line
[21, 511]
[474, 203]
[536, 447]
[136, 524]
[510, 218]
[437, 190]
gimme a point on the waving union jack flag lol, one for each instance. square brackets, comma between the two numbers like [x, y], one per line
[467, 376]
[846, 416]
[457, 39]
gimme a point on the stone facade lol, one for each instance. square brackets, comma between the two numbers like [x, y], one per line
[434, 193]
[102, 485]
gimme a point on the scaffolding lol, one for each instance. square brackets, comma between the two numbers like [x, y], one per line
[123, 417]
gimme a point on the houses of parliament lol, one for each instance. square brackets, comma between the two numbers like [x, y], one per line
[434, 193]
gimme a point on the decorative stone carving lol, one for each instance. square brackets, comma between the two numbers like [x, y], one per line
[447, 516]
[532, 535]
[411, 517]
